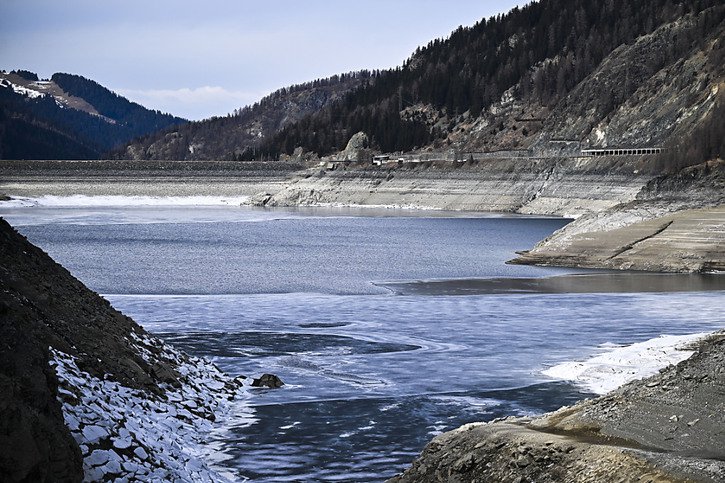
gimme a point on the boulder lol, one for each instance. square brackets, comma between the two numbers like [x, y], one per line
[268, 380]
[357, 148]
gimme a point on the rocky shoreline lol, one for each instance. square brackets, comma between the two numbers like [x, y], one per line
[665, 428]
[676, 223]
[54, 325]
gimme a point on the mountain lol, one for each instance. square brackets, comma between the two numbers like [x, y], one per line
[68, 117]
[237, 135]
[598, 74]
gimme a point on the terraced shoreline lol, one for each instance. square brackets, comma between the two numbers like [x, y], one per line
[625, 219]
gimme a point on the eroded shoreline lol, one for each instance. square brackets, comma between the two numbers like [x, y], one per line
[665, 428]
[625, 220]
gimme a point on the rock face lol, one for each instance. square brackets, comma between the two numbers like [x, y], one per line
[667, 427]
[550, 186]
[357, 148]
[73, 319]
[37, 445]
[661, 99]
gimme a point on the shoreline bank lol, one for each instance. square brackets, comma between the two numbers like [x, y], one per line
[624, 219]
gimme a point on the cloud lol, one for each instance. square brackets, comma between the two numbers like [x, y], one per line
[192, 103]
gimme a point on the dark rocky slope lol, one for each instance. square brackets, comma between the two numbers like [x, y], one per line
[666, 428]
[85, 390]
[44, 306]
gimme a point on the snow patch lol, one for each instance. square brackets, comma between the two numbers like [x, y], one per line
[23, 91]
[606, 372]
[599, 134]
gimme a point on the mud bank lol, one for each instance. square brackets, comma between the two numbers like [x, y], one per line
[676, 223]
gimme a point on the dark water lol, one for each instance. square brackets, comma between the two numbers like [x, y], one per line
[371, 376]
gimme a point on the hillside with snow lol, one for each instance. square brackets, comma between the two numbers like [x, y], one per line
[68, 117]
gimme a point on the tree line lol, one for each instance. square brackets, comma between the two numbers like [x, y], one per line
[543, 49]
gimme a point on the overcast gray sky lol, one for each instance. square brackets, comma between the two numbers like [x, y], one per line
[208, 57]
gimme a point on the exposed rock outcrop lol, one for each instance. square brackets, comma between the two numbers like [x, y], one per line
[357, 148]
[551, 186]
[676, 223]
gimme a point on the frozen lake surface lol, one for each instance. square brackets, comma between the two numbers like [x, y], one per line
[313, 296]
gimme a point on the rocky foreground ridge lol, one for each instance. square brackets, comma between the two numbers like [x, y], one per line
[666, 428]
[87, 394]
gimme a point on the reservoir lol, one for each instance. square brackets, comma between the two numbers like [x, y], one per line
[388, 327]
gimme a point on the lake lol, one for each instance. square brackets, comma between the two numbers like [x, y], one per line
[330, 300]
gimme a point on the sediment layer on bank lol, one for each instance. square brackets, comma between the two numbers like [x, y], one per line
[675, 224]
[542, 186]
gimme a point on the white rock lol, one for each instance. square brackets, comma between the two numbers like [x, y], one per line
[141, 453]
[93, 434]
[99, 457]
[122, 443]
[93, 474]
[72, 422]
[131, 467]
[113, 467]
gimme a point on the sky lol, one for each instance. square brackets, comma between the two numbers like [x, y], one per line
[197, 59]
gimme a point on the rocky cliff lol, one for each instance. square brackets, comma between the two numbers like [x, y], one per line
[87, 393]
[666, 428]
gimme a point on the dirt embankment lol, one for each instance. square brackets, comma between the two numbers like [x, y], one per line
[669, 427]
[544, 186]
[676, 223]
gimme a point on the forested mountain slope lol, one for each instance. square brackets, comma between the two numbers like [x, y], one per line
[68, 117]
[609, 73]
[238, 134]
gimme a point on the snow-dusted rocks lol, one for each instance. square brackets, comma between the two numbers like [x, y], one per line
[610, 370]
[131, 435]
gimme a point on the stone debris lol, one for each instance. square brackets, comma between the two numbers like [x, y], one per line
[268, 380]
[129, 435]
